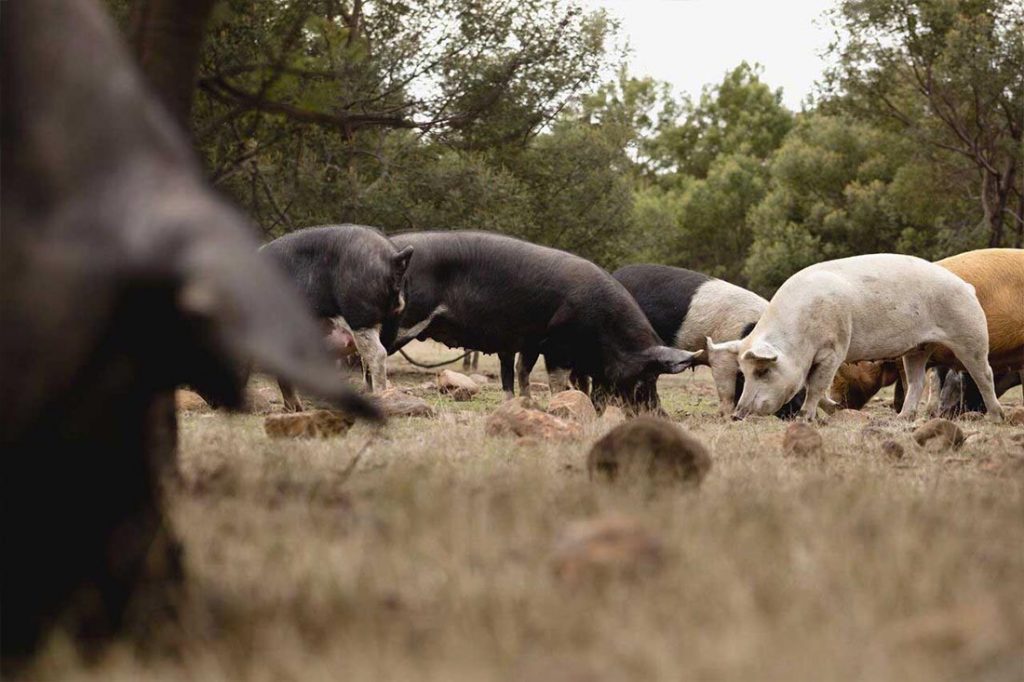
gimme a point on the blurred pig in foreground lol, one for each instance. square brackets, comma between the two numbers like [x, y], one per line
[122, 277]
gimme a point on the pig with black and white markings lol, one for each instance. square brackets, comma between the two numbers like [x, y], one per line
[687, 307]
[497, 294]
[871, 307]
[351, 277]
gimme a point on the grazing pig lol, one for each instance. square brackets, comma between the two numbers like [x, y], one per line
[862, 308]
[997, 276]
[497, 294]
[121, 277]
[686, 308]
[351, 278]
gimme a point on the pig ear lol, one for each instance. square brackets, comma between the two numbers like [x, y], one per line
[402, 259]
[665, 360]
[762, 351]
[724, 347]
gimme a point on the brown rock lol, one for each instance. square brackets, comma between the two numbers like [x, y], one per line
[311, 424]
[190, 401]
[849, 417]
[610, 546]
[802, 440]
[650, 450]
[458, 386]
[480, 379]
[398, 403]
[574, 405]
[514, 418]
[938, 435]
[892, 449]
[1015, 416]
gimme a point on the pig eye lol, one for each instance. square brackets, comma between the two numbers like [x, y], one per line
[761, 372]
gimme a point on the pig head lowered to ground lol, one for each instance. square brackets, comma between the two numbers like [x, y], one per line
[501, 295]
[351, 278]
[122, 277]
[686, 308]
[862, 308]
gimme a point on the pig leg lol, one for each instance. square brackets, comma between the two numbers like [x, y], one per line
[373, 355]
[914, 365]
[508, 368]
[290, 397]
[976, 364]
[819, 381]
[525, 364]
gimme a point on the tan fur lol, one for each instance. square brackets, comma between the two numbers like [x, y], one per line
[997, 276]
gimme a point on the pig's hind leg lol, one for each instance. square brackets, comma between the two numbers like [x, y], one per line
[373, 355]
[524, 366]
[508, 370]
[976, 364]
[915, 364]
[290, 397]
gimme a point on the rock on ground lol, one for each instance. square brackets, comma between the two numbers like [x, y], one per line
[846, 416]
[574, 405]
[649, 449]
[892, 449]
[515, 418]
[311, 424]
[1015, 416]
[802, 440]
[939, 434]
[189, 401]
[398, 403]
[480, 379]
[261, 399]
[609, 546]
[458, 386]
[612, 416]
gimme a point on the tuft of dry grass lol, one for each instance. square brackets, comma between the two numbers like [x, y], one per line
[432, 558]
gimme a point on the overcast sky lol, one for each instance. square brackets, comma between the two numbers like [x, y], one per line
[692, 42]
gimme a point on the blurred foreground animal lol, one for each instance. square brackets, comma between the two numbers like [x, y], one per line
[122, 277]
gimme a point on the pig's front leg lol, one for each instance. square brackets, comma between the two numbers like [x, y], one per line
[818, 383]
[373, 355]
[507, 362]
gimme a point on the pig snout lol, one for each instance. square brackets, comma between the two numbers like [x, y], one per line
[340, 342]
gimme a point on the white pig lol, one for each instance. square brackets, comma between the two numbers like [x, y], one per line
[873, 307]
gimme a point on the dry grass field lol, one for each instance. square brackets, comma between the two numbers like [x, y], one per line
[431, 558]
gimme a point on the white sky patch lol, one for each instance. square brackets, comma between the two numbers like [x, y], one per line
[690, 43]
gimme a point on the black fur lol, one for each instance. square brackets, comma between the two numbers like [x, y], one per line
[347, 270]
[664, 294]
[504, 295]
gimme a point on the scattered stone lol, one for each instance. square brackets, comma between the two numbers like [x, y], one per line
[846, 416]
[480, 379]
[190, 401]
[1015, 416]
[651, 450]
[802, 440]
[528, 441]
[310, 424]
[613, 416]
[397, 403]
[458, 386]
[610, 546]
[892, 449]
[939, 434]
[515, 418]
[574, 405]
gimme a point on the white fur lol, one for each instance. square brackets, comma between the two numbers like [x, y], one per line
[407, 335]
[873, 307]
[719, 310]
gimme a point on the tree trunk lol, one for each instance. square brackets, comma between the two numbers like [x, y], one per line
[167, 36]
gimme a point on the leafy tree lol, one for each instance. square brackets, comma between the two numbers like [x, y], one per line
[740, 115]
[950, 76]
[839, 188]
